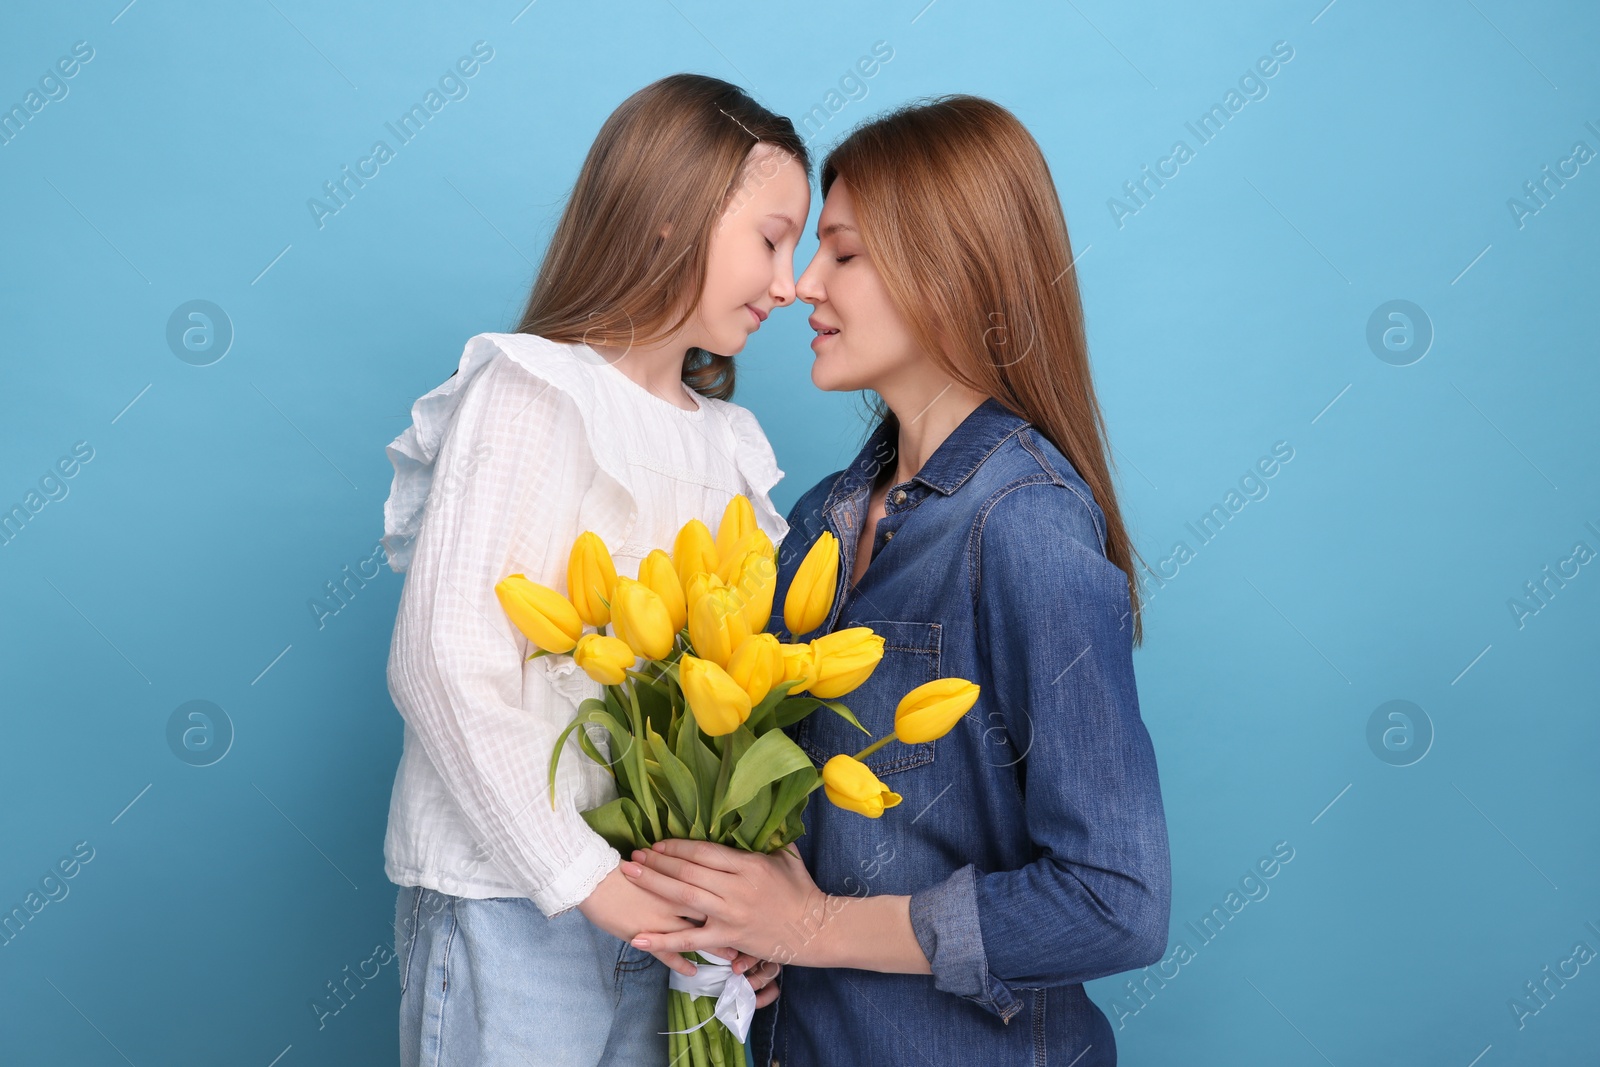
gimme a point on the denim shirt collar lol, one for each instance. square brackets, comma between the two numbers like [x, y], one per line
[952, 463]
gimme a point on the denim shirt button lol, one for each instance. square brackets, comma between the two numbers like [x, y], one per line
[888, 535]
[899, 496]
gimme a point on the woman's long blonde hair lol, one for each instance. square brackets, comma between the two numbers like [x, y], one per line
[958, 210]
[627, 262]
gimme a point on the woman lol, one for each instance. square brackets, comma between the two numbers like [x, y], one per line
[981, 537]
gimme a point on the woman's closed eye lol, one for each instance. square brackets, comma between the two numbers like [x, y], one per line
[844, 259]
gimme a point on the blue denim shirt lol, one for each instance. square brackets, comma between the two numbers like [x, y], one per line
[1031, 838]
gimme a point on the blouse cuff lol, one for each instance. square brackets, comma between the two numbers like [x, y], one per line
[578, 878]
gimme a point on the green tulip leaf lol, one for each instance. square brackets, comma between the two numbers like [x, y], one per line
[847, 715]
[617, 822]
[675, 824]
[702, 764]
[761, 716]
[771, 757]
[732, 747]
[654, 701]
[790, 798]
[680, 781]
[645, 794]
[752, 816]
[592, 711]
[791, 710]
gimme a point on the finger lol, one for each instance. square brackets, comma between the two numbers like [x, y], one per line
[685, 895]
[694, 939]
[708, 878]
[676, 962]
[705, 853]
[767, 972]
[768, 995]
[681, 916]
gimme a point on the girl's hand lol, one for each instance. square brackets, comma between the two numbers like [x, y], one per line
[622, 908]
[766, 905]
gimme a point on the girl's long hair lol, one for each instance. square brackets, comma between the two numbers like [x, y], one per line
[627, 262]
[959, 213]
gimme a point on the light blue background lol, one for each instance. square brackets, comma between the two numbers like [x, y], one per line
[1228, 314]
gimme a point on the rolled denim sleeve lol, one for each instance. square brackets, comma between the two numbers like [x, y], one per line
[944, 918]
[1055, 644]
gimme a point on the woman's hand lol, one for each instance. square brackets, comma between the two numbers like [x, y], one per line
[765, 905]
[768, 905]
[623, 909]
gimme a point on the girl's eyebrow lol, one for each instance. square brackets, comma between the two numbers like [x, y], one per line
[785, 219]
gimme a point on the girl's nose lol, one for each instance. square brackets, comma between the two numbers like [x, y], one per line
[782, 290]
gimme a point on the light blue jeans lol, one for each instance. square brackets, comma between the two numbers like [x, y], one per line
[492, 982]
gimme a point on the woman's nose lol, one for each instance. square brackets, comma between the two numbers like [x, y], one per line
[809, 289]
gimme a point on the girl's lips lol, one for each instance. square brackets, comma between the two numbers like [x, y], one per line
[756, 315]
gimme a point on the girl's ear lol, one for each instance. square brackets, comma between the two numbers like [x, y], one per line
[666, 230]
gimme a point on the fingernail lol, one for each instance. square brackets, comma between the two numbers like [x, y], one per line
[631, 869]
[640, 942]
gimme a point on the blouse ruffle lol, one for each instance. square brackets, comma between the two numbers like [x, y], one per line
[574, 369]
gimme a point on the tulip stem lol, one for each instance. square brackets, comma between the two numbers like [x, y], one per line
[870, 749]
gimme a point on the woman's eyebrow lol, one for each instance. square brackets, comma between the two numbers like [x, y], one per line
[833, 228]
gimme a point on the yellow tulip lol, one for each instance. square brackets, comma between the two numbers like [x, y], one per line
[755, 581]
[757, 665]
[810, 596]
[656, 571]
[642, 620]
[852, 786]
[693, 550]
[754, 541]
[719, 704]
[738, 519]
[930, 710]
[699, 584]
[544, 616]
[716, 626]
[590, 577]
[845, 659]
[799, 665]
[603, 658]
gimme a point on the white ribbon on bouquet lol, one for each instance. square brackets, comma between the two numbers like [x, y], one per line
[736, 997]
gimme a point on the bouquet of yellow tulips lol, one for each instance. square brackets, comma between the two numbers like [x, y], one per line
[695, 697]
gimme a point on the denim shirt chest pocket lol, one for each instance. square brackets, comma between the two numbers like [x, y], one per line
[910, 658]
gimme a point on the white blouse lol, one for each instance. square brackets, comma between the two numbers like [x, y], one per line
[528, 445]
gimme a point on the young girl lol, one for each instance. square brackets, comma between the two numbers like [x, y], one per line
[980, 534]
[607, 411]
